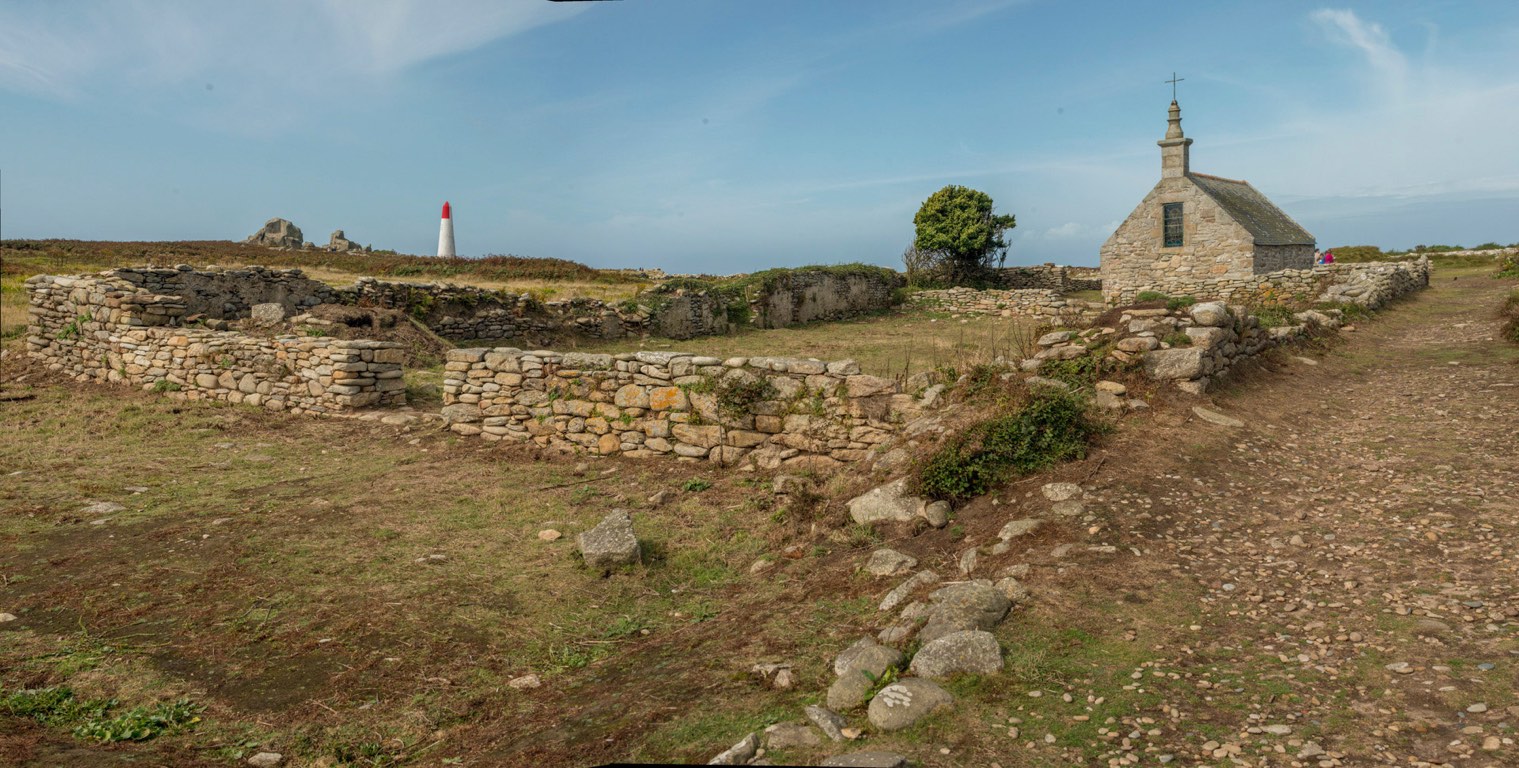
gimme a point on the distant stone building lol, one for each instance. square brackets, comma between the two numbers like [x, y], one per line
[1196, 233]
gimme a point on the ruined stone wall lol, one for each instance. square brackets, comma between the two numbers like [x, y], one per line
[463, 313]
[108, 329]
[228, 294]
[1189, 347]
[810, 295]
[768, 411]
[1369, 284]
[1050, 277]
[1213, 246]
[1043, 304]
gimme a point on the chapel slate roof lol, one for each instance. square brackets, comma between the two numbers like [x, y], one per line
[1265, 222]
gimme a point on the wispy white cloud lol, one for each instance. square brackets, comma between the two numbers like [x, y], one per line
[267, 54]
[1367, 37]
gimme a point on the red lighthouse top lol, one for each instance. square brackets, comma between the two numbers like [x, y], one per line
[445, 209]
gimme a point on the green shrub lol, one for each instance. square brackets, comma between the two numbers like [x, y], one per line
[1053, 426]
[1178, 339]
[164, 385]
[1180, 302]
[1077, 372]
[1509, 266]
[735, 397]
[1144, 296]
[695, 485]
[1274, 316]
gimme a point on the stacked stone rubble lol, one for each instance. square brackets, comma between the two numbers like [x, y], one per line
[105, 328]
[768, 411]
[1189, 347]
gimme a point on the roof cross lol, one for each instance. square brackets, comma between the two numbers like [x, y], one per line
[1173, 81]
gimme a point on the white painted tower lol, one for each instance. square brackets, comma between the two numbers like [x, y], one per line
[446, 233]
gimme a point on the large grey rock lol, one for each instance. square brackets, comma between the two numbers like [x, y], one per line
[1108, 401]
[1055, 337]
[905, 702]
[1214, 417]
[969, 652]
[1208, 338]
[461, 413]
[937, 513]
[738, 754]
[1016, 528]
[906, 588]
[854, 684]
[277, 233]
[1175, 363]
[846, 658]
[339, 243]
[870, 759]
[1211, 313]
[967, 605]
[611, 543]
[889, 562]
[1061, 491]
[267, 314]
[888, 503]
[1314, 317]
[829, 722]
[790, 736]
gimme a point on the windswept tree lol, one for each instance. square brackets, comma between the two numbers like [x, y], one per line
[960, 236]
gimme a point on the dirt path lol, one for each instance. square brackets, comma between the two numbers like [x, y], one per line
[1353, 545]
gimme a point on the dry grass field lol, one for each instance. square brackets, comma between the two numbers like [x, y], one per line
[353, 594]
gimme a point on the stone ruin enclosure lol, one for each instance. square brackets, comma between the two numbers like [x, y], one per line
[121, 326]
[172, 330]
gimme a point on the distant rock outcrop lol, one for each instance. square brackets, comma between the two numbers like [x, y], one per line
[277, 233]
[339, 243]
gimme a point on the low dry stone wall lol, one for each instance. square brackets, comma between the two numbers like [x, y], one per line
[1189, 347]
[1369, 284]
[810, 295]
[1051, 277]
[109, 329]
[1044, 304]
[767, 411]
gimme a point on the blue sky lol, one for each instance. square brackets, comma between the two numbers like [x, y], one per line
[724, 136]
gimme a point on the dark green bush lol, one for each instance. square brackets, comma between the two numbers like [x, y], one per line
[1053, 426]
[1151, 296]
[736, 397]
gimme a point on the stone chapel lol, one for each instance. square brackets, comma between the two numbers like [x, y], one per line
[1194, 233]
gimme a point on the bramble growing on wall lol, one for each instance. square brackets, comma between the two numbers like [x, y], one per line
[1053, 426]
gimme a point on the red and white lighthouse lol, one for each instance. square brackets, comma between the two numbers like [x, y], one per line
[446, 233]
